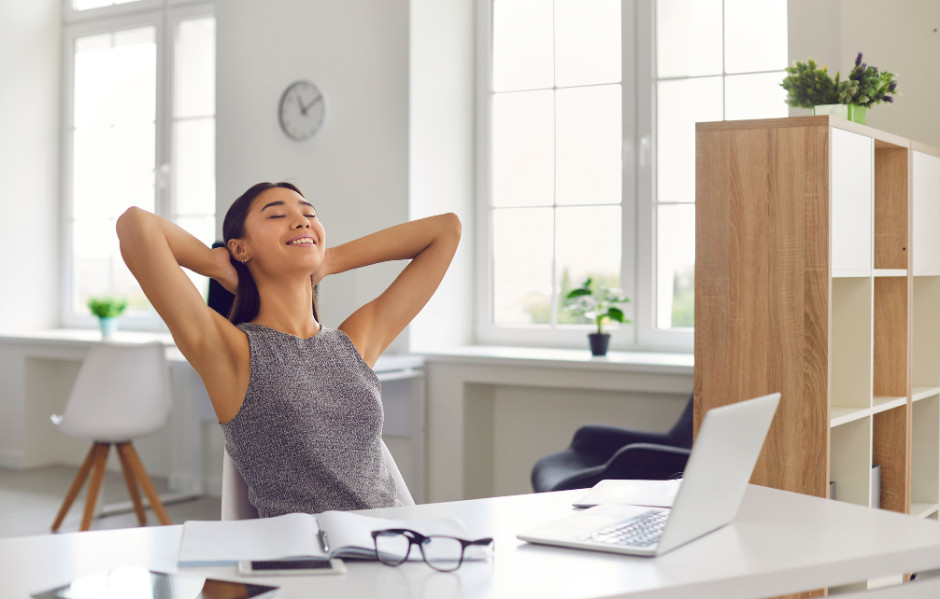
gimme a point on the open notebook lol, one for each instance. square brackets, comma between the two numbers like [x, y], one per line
[298, 535]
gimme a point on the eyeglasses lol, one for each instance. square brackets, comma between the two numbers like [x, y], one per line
[443, 553]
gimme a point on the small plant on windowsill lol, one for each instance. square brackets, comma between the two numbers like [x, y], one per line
[108, 309]
[599, 306]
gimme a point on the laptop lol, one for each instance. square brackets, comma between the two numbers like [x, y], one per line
[716, 476]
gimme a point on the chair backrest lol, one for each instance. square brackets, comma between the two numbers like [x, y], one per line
[681, 433]
[122, 392]
[235, 504]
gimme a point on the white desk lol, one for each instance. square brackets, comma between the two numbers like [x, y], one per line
[780, 543]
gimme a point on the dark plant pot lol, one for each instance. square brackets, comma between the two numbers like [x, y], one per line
[599, 343]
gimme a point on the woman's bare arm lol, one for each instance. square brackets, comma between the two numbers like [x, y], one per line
[430, 244]
[154, 249]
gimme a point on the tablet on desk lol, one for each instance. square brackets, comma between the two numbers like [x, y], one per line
[140, 583]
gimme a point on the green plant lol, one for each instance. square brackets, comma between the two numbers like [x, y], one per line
[599, 307]
[107, 306]
[807, 85]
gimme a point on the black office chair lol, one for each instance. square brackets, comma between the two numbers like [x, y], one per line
[599, 452]
[220, 299]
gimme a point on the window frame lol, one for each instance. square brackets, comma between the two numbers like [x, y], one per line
[163, 15]
[487, 332]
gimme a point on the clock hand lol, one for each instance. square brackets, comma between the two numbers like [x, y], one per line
[312, 102]
[303, 109]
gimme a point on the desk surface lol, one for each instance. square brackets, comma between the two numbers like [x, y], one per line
[780, 543]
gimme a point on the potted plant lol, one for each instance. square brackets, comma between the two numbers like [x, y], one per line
[808, 86]
[600, 307]
[107, 309]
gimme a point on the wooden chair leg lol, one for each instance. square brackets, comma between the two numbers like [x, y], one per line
[141, 475]
[132, 489]
[97, 474]
[76, 487]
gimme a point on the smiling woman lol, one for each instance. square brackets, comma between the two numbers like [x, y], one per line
[298, 403]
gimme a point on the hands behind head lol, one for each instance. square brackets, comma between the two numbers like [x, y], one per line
[226, 274]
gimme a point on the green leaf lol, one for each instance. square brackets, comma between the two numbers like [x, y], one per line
[615, 314]
[578, 292]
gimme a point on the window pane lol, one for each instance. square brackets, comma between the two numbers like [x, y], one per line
[755, 96]
[588, 155]
[86, 4]
[523, 149]
[522, 265]
[112, 170]
[587, 244]
[194, 152]
[755, 35]
[98, 267]
[675, 266]
[688, 37]
[116, 83]
[195, 68]
[680, 104]
[587, 42]
[522, 45]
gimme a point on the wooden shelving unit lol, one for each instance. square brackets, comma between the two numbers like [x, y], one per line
[818, 275]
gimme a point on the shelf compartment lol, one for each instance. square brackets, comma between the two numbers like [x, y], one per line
[890, 337]
[923, 510]
[851, 196]
[925, 188]
[925, 452]
[851, 341]
[891, 210]
[925, 346]
[850, 461]
[889, 450]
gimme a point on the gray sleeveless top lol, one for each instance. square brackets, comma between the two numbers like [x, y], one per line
[307, 437]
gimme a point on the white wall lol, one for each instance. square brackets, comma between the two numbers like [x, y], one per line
[900, 36]
[355, 171]
[30, 38]
[441, 173]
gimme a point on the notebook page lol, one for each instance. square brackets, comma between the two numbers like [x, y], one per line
[290, 535]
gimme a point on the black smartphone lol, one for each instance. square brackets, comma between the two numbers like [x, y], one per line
[289, 567]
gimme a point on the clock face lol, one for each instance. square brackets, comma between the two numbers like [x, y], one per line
[302, 110]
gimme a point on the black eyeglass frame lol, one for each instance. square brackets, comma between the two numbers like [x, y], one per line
[416, 538]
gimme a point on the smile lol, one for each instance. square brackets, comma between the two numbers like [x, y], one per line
[302, 241]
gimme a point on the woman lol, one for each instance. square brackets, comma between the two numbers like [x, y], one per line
[299, 404]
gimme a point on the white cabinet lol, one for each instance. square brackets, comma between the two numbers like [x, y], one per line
[852, 193]
[926, 190]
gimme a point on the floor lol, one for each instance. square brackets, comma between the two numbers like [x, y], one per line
[30, 500]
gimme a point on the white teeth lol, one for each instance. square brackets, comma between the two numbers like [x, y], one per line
[302, 241]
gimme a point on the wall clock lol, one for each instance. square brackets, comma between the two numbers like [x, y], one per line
[302, 110]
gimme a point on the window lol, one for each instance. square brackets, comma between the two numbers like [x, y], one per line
[715, 60]
[586, 124]
[139, 131]
[556, 123]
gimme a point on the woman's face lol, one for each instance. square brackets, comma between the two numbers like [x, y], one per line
[282, 234]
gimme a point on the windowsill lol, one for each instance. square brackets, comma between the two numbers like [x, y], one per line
[540, 357]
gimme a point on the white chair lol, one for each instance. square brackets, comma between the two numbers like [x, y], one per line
[235, 504]
[122, 392]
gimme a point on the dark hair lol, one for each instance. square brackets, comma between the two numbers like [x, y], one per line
[247, 299]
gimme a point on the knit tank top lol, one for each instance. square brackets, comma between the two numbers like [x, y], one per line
[308, 436]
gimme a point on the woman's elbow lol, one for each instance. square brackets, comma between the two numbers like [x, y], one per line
[452, 224]
[130, 221]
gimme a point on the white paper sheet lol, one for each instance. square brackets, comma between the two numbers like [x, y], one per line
[652, 493]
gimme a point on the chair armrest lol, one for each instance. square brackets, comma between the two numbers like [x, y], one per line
[644, 461]
[602, 441]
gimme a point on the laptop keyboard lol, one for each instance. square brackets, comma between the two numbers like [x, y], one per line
[642, 531]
